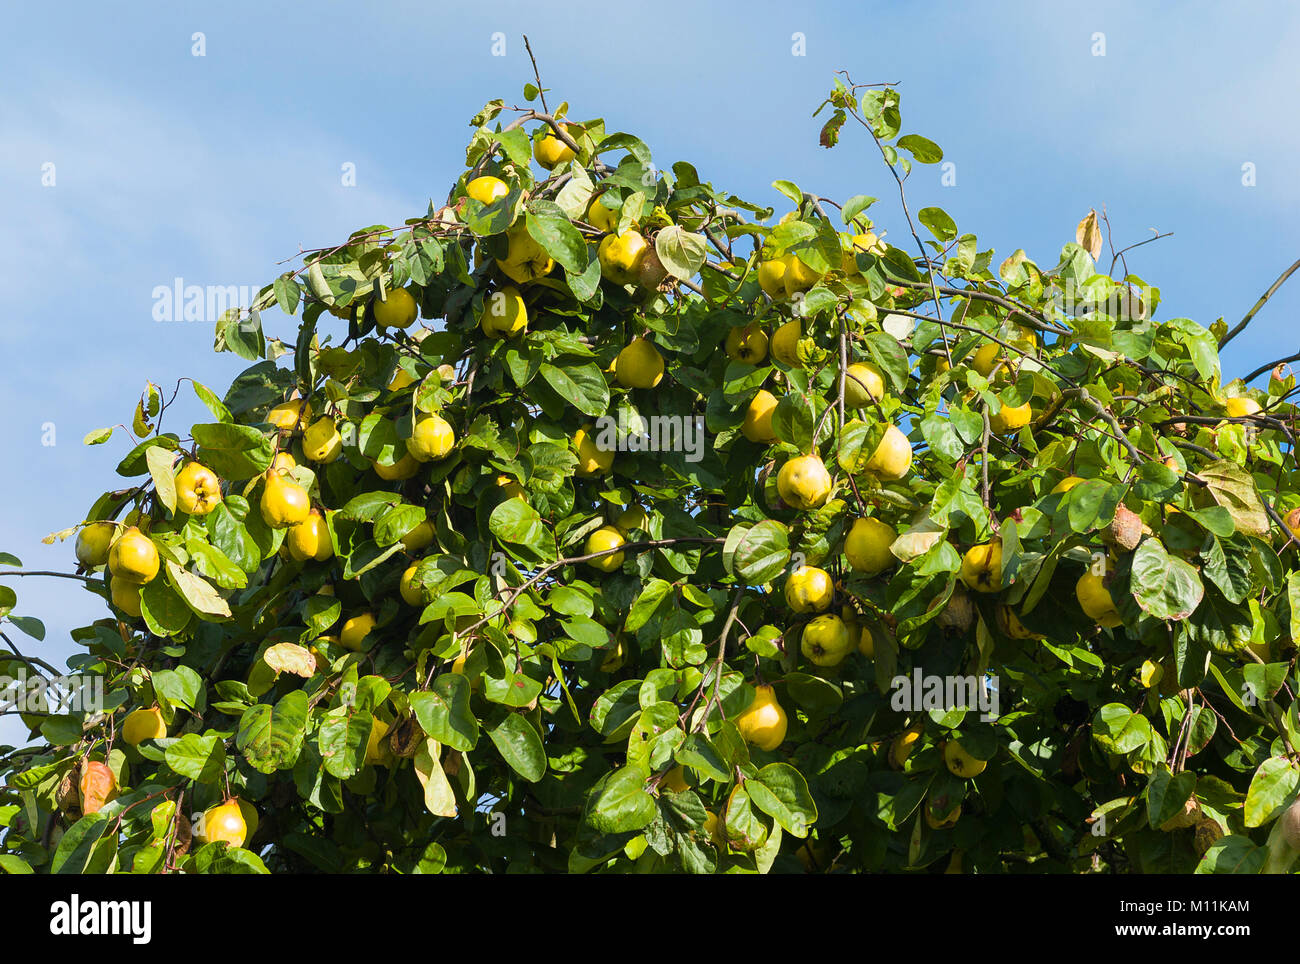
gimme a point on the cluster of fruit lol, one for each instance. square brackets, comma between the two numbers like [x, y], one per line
[231, 821]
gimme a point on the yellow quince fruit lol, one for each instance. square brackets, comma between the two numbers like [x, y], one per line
[826, 641]
[133, 557]
[310, 538]
[504, 313]
[397, 310]
[284, 502]
[746, 343]
[804, 482]
[198, 490]
[550, 151]
[867, 545]
[981, 567]
[639, 365]
[432, 438]
[322, 443]
[621, 256]
[592, 460]
[757, 424]
[763, 723]
[809, 589]
[602, 540]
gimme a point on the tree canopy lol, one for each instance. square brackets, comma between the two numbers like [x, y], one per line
[599, 519]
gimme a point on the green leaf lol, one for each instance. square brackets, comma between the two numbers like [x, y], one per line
[444, 713]
[647, 603]
[682, 252]
[1157, 482]
[77, 844]
[237, 860]
[214, 564]
[628, 142]
[582, 385]
[201, 758]
[550, 227]
[923, 149]
[439, 798]
[761, 553]
[342, 740]
[585, 284]
[229, 534]
[516, 145]
[616, 710]
[30, 625]
[270, 738]
[790, 190]
[1167, 793]
[160, 462]
[816, 696]
[698, 752]
[619, 802]
[243, 336]
[781, 792]
[889, 356]
[1293, 602]
[181, 686]
[514, 689]
[1273, 786]
[214, 404]
[234, 452]
[1232, 487]
[1233, 855]
[941, 225]
[855, 206]
[287, 293]
[1165, 587]
[320, 613]
[197, 593]
[1119, 730]
[397, 521]
[62, 729]
[520, 746]
[369, 506]
[521, 532]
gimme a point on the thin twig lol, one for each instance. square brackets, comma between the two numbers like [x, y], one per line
[44, 572]
[1241, 325]
[541, 91]
[572, 560]
[1269, 366]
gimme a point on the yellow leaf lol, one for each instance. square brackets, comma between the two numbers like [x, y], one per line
[438, 797]
[1088, 234]
[198, 592]
[1008, 269]
[139, 424]
[291, 658]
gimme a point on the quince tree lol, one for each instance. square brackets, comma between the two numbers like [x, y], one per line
[595, 521]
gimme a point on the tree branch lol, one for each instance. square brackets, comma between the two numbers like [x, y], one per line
[1241, 325]
[541, 91]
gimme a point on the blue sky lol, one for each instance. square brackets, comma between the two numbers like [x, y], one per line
[213, 168]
